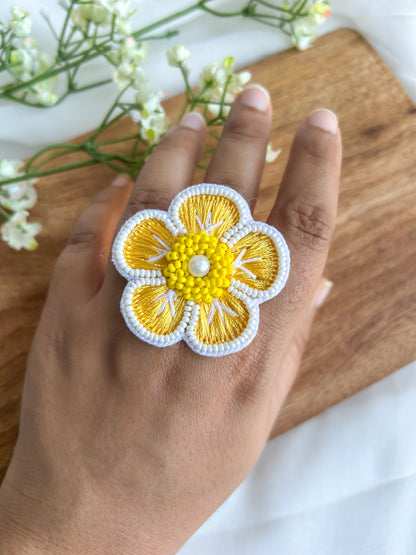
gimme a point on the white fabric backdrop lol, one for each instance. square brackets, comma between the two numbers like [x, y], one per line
[344, 482]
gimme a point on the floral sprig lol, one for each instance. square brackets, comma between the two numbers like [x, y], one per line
[102, 28]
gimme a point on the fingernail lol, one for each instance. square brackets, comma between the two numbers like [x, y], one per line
[323, 291]
[121, 180]
[193, 120]
[324, 119]
[255, 96]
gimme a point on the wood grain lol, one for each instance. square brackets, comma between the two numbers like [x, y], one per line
[366, 329]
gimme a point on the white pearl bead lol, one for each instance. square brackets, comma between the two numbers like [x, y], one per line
[199, 265]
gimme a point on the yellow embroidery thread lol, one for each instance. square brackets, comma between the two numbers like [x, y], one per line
[209, 207]
[261, 247]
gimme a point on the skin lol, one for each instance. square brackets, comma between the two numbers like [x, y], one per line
[129, 448]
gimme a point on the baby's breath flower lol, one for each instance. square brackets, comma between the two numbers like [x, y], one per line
[104, 12]
[28, 62]
[85, 14]
[208, 78]
[153, 128]
[271, 154]
[177, 55]
[304, 30]
[45, 96]
[303, 33]
[221, 84]
[152, 104]
[10, 168]
[128, 57]
[121, 8]
[20, 24]
[319, 11]
[18, 233]
[16, 196]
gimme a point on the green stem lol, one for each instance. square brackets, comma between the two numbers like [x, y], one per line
[168, 19]
[5, 214]
[189, 90]
[92, 85]
[43, 77]
[52, 157]
[221, 14]
[52, 171]
[62, 37]
[48, 149]
[113, 141]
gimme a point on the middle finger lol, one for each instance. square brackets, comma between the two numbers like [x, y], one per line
[239, 158]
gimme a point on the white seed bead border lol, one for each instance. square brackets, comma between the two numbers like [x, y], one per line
[209, 189]
[282, 252]
[118, 246]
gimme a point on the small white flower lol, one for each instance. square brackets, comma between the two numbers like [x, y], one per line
[20, 24]
[177, 55]
[87, 13]
[153, 127]
[215, 110]
[208, 77]
[45, 97]
[303, 32]
[123, 25]
[127, 59]
[18, 233]
[271, 154]
[153, 104]
[18, 196]
[221, 84]
[319, 11]
[121, 8]
[10, 168]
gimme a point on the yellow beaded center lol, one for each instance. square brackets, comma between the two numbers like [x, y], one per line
[204, 288]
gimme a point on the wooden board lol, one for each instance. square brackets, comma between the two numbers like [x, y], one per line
[366, 329]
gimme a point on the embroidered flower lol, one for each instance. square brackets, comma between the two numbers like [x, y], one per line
[199, 271]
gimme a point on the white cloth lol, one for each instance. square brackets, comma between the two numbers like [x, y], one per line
[344, 482]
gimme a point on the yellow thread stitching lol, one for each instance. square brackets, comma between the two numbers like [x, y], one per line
[213, 208]
[142, 245]
[261, 246]
[227, 328]
[147, 307]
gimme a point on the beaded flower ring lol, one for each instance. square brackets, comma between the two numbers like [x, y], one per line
[199, 271]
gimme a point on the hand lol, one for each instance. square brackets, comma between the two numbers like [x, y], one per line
[129, 448]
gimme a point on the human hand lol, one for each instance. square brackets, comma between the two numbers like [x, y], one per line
[128, 448]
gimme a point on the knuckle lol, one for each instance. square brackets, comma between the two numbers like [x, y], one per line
[149, 198]
[227, 176]
[245, 129]
[318, 146]
[81, 238]
[310, 224]
[63, 264]
[248, 382]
